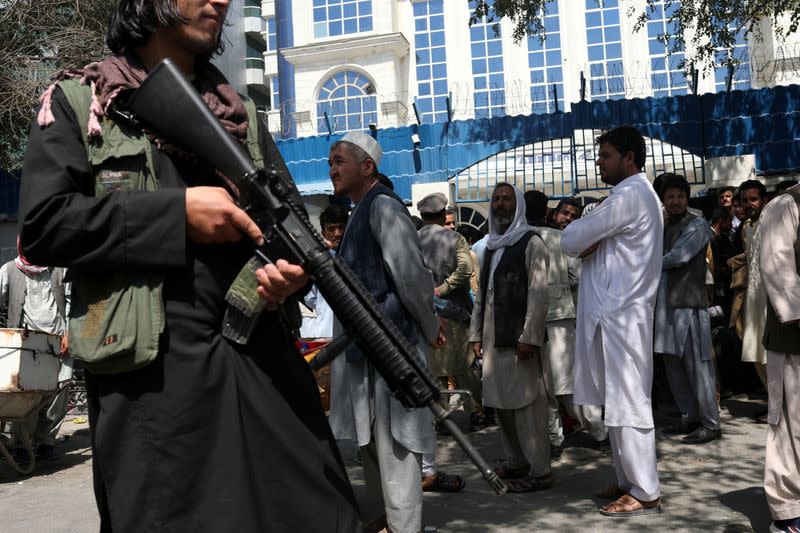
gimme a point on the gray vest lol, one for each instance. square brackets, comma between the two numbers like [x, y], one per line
[562, 305]
[18, 291]
[687, 284]
[779, 337]
[362, 253]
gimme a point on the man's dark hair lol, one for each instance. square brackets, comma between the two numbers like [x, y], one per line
[753, 184]
[721, 214]
[133, 21]
[535, 206]
[574, 202]
[726, 189]
[673, 181]
[658, 181]
[626, 139]
[477, 235]
[466, 231]
[785, 184]
[333, 214]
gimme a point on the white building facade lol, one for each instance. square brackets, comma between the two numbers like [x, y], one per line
[338, 65]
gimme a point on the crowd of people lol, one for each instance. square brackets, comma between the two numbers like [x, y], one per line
[566, 312]
[549, 322]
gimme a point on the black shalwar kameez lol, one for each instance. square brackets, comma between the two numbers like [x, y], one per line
[211, 436]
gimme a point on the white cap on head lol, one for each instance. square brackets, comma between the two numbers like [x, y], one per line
[366, 143]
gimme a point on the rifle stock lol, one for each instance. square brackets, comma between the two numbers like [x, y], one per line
[168, 104]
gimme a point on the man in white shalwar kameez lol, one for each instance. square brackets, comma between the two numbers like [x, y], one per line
[508, 322]
[780, 272]
[622, 240]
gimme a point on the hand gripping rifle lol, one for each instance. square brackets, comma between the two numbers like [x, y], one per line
[168, 104]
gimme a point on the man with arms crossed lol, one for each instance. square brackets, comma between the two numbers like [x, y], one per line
[614, 338]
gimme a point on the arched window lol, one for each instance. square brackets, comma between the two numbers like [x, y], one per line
[348, 98]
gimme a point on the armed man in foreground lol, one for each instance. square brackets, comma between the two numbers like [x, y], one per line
[190, 432]
[381, 246]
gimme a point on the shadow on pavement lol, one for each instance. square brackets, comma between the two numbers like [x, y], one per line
[74, 451]
[752, 503]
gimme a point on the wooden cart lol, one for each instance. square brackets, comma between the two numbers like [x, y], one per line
[29, 366]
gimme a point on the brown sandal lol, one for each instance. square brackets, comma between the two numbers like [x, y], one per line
[610, 493]
[627, 506]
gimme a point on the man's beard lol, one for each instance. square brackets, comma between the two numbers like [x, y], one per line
[503, 217]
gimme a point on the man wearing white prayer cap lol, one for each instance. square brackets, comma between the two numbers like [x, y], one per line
[381, 246]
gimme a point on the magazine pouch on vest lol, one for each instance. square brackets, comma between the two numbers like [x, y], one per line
[116, 318]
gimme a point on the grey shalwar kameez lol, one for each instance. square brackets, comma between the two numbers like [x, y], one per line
[514, 387]
[362, 407]
[683, 334]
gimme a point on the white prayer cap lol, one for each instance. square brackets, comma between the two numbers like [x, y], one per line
[366, 143]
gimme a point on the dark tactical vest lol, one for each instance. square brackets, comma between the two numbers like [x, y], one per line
[362, 253]
[439, 247]
[510, 292]
[686, 284]
[117, 317]
[779, 337]
[18, 290]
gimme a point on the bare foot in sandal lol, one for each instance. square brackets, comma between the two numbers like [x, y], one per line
[627, 506]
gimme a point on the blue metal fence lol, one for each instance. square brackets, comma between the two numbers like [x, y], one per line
[9, 195]
[555, 152]
[682, 131]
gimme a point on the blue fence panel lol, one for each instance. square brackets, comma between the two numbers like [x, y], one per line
[763, 122]
[9, 195]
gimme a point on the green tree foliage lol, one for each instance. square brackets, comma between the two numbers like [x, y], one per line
[712, 24]
[37, 39]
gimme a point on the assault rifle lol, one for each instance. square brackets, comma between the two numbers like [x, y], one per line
[167, 103]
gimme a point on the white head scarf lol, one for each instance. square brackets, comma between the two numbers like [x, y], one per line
[519, 227]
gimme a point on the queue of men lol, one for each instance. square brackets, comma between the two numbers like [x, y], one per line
[570, 312]
[153, 239]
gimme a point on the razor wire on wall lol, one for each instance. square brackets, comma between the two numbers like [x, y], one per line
[636, 80]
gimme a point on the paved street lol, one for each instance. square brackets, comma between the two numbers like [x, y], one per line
[715, 487]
